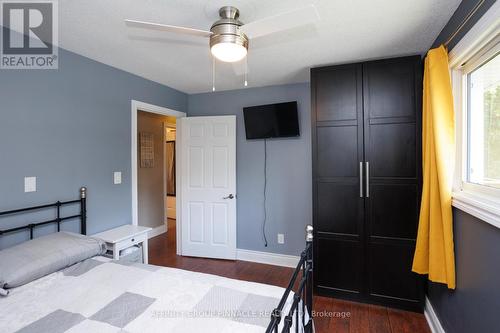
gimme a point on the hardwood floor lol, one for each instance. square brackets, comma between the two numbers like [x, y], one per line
[343, 316]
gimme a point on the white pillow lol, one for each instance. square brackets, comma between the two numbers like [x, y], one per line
[41, 256]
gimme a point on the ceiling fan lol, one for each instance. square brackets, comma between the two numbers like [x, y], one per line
[229, 37]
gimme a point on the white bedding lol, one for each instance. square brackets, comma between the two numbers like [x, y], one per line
[100, 295]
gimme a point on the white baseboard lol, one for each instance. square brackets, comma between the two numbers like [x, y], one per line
[267, 258]
[432, 318]
[157, 231]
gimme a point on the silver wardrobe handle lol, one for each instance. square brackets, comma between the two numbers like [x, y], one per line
[230, 196]
[360, 179]
[367, 178]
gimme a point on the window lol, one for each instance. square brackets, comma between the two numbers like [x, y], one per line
[483, 123]
[475, 74]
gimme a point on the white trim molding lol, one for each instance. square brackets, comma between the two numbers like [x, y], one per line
[477, 36]
[477, 206]
[157, 231]
[432, 318]
[267, 258]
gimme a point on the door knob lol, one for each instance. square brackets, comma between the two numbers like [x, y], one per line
[230, 196]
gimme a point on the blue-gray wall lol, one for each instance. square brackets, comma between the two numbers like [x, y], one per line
[474, 305]
[71, 127]
[289, 192]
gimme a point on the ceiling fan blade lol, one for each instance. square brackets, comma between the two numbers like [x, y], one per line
[169, 28]
[284, 21]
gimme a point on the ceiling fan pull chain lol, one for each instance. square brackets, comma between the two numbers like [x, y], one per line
[246, 71]
[213, 73]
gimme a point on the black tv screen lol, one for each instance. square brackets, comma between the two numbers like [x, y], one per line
[271, 121]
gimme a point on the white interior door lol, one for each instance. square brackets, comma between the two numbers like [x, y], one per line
[208, 186]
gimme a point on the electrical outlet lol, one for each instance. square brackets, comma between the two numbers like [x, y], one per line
[117, 177]
[281, 239]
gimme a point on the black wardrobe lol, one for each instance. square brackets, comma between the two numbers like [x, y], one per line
[366, 125]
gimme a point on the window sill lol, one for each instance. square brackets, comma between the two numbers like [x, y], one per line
[484, 208]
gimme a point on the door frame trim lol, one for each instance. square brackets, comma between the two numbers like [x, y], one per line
[137, 106]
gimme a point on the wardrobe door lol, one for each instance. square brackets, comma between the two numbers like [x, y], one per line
[392, 122]
[337, 130]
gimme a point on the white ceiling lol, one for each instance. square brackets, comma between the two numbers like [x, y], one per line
[349, 30]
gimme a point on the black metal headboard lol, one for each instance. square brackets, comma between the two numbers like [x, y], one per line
[83, 215]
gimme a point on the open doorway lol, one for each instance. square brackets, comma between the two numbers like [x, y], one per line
[154, 174]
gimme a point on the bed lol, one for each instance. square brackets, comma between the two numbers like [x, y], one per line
[93, 293]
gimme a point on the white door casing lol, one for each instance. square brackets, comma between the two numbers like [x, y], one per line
[208, 182]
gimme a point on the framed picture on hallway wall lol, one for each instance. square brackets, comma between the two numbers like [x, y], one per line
[147, 152]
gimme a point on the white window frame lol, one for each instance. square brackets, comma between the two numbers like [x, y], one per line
[475, 47]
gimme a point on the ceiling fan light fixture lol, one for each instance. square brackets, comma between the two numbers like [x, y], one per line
[227, 42]
[229, 37]
[229, 52]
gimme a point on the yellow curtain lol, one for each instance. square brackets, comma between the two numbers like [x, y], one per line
[434, 254]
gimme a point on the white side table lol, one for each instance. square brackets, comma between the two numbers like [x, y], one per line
[123, 237]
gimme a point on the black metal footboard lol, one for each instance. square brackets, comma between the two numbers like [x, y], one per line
[303, 296]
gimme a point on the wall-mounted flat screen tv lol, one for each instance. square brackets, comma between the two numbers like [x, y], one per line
[271, 121]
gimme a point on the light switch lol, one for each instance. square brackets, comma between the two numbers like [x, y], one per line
[117, 177]
[29, 184]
